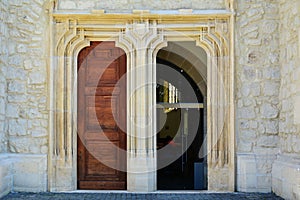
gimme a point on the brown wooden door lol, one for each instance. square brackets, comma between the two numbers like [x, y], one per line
[100, 66]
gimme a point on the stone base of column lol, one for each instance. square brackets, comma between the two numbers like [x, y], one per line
[141, 175]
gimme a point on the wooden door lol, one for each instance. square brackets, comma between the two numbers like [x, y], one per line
[100, 102]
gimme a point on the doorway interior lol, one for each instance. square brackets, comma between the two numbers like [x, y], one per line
[180, 129]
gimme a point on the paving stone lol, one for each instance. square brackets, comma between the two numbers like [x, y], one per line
[133, 196]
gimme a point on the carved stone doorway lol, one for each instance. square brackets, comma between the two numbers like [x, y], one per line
[141, 37]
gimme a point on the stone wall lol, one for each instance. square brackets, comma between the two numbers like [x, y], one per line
[26, 108]
[23, 172]
[3, 65]
[257, 86]
[6, 177]
[290, 70]
[23, 96]
[286, 174]
[128, 5]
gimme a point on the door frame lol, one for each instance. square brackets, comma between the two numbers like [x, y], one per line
[70, 32]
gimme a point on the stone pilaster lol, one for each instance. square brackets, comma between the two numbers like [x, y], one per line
[140, 40]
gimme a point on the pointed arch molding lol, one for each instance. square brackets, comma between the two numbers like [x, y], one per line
[141, 35]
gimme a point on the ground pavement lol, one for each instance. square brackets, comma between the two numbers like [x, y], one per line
[135, 196]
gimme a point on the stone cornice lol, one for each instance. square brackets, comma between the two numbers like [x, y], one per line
[162, 16]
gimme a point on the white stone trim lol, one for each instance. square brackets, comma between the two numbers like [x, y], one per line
[23, 173]
[286, 176]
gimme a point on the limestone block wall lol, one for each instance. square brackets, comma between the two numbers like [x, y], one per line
[286, 169]
[3, 66]
[128, 5]
[26, 89]
[23, 96]
[257, 86]
[290, 70]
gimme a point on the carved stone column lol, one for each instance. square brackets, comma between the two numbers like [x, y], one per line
[140, 41]
[220, 138]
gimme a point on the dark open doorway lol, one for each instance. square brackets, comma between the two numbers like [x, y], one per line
[180, 122]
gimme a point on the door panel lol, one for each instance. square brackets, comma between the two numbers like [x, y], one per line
[100, 101]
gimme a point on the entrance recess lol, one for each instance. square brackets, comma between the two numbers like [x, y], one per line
[100, 102]
[180, 122]
[141, 35]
